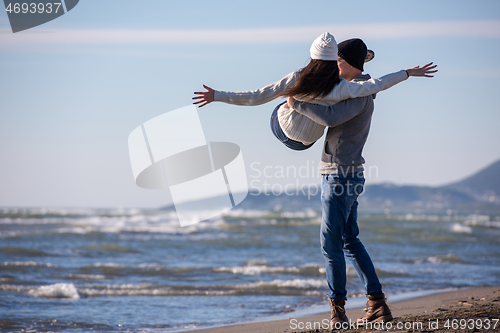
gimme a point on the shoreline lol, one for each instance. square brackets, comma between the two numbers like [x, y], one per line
[407, 310]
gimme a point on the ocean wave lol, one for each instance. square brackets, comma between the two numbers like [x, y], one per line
[481, 220]
[15, 264]
[81, 222]
[274, 287]
[448, 258]
[160, 223]
[110, 270]
[269, 218]
[460, 228]
[256, 269]
[294, 283]
[418, 217]
[145, 269]
[305, 287]
[24, 212]
[58, 290]
[396, 271]
[255, 213]
[164, 223]
[245, 213]
[85, 277]
[149, 290]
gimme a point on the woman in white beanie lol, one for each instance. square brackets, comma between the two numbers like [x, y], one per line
[318, 82]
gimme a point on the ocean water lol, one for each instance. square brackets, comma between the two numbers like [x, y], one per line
[81, 270]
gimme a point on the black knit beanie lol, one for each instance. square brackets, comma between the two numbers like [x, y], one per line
[354, 52]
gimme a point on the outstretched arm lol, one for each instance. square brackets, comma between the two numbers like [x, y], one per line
[353, 89]
[252, 97]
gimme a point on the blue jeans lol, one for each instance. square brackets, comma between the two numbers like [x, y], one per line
[339, 235]
[280, 135]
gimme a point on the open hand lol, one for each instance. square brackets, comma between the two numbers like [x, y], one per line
[425, 70]
[204, 97]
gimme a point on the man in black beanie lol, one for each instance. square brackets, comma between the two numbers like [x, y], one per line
[353, 53]
[341, 165]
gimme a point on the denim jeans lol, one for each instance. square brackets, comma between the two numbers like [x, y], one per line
[280, 135]
[339, 235]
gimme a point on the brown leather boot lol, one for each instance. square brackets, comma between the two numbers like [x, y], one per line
[376, 310]
[338, 311]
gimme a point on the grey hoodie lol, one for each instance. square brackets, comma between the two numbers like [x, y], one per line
[348, 125]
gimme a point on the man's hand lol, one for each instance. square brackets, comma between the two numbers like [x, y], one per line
[289, 102]
[425, 70]
[205, 96]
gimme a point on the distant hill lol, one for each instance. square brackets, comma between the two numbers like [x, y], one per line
[403, 198]
[479, 192]
[484, 186]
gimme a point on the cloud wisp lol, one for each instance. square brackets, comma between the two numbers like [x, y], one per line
[476, 29]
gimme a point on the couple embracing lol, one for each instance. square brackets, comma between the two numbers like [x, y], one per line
[332, 92]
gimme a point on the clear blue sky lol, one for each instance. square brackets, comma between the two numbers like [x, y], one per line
[73, 89]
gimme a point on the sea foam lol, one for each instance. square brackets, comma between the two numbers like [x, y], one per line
[460, 228]
[58, 290]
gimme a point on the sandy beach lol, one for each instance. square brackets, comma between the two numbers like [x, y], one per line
[466, 310]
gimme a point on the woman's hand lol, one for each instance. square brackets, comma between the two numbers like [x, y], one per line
[425, 70]
[204, 97]
[289, 102]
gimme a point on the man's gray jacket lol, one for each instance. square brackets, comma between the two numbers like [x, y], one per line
[348, 125]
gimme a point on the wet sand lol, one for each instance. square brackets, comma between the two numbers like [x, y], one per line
[466, 310]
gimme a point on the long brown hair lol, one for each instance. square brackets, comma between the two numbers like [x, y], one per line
[317, 79]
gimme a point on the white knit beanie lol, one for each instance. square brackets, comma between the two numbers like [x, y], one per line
[324, 47]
